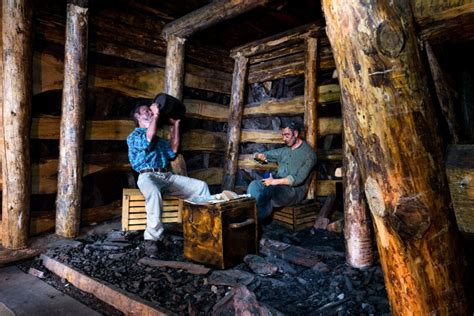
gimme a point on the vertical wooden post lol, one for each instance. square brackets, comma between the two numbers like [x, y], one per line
[445, 94]
[356, 222]
[174, 71]
[388, 108]
[68, 201]
[239, 79]
[17, 92]
[2, 144]
[310, 101]
[174, 85]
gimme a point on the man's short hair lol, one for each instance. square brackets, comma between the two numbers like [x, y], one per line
[293, 126]
[136, 109]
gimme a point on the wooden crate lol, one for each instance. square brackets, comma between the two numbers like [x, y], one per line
[460, 172]
[134, 213]
[221, 234]
[297, 217]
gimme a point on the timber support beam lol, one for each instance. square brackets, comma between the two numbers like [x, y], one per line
[68, 201]
[387, 105]
[235, 122]
[17, 92]
[213, 13]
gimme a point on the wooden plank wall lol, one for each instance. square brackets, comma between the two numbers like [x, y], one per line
[281, 56]
[144, 84]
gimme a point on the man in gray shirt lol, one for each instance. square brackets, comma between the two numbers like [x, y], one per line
[290, 185]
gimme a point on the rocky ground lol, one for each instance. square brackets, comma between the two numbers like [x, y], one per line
[327, 288]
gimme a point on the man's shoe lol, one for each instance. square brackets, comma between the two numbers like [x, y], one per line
[152, 248]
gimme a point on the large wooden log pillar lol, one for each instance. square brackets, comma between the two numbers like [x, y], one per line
[357, 232]
[310, 101]
[239, 79]
[68, 201]
[390, 113]
[17, 93]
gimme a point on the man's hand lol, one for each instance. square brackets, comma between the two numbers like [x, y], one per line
[275, 181]
[261, 158]
[268, 181]
[174, 122]
[155, 109]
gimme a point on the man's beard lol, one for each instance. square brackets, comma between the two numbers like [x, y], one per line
[291, 142]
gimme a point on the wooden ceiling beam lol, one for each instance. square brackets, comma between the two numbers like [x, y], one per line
[213, 13]
[280, 40]
[455, 24]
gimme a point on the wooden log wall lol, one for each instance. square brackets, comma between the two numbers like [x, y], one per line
[301, 51]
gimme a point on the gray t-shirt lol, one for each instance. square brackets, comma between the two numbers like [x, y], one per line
[296, 164]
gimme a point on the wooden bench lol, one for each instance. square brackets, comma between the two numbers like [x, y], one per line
[134, 213]
[297, 217]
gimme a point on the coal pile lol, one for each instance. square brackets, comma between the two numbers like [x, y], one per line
[271, 285]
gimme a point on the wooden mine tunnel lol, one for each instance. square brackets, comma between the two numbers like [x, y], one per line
[384, 90]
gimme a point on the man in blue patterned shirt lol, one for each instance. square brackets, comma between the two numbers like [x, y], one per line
[149, 155]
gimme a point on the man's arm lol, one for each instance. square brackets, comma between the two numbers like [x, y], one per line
[151, 131]
[175, 139]
[272, 181]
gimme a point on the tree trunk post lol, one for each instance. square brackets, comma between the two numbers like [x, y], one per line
[174, 85]
[356, 222]
[17, 93]
[389, 110]
[231, 157]
[68, 200]
[174, 71]
[310, 101]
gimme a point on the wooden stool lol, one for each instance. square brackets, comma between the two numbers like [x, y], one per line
[299, 216]
[134, 213]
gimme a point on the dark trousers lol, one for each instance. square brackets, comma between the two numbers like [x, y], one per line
[274, 196]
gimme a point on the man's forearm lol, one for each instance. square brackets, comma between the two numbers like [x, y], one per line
[175, 139]
[281, 181]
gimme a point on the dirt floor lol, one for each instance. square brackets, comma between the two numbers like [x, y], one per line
[328, 288]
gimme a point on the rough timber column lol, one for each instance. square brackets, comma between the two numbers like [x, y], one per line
[357, 231]
[231, 157]
[68, 201]
[174, 71]
[389, 110]
[17, 92]
[310, 101]
[174, 84]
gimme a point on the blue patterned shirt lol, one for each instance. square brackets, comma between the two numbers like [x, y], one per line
[144, 154]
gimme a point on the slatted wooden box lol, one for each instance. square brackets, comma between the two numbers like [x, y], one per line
[297, 217]
[134, 213]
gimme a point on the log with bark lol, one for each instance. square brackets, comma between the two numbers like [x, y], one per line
[295, 254]
[68, 200]
[17, 92]
[235, 120]
[389, 109]
[189, 267]
[357, 229]
[322, 220]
